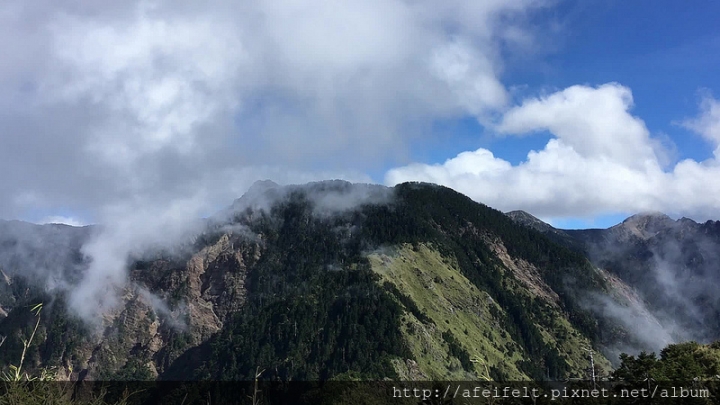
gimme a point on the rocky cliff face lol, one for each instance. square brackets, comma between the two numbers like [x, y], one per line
[166, 307]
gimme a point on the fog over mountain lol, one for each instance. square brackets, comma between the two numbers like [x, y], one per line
[673, 265]
[358, 190]
[190, 283]
[481, 283]
[91, 263]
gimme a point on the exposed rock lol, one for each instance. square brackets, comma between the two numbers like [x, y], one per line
[208, 288]
[5, 278]
[414, 372]
[216, 282]
[173, 305]
[524, 271]
[643, 226]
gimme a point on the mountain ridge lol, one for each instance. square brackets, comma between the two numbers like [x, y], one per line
[415, 281]
[671, 264]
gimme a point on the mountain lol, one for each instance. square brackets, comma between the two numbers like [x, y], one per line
[330, 280]
[673, 266]
[557, 235]
[32, 255]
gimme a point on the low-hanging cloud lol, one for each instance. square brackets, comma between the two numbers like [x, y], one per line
[600, 160]
[132, 230]
[647, 332]
[672, 268]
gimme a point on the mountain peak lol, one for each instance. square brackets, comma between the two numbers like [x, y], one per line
[527, 219]
[258, 195]
[657, 215]
[262, 186]
[524, 216]
[649, 219]
[520, 214]
[647, 224]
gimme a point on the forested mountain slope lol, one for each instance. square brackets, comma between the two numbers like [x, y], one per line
[333, 280]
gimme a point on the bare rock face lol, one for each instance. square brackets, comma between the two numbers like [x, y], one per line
[216, 282]
[668, 266]
[643, 226]
[200, 310]
[414, 372]
[525, 272]
[6, 296]
[166, 301]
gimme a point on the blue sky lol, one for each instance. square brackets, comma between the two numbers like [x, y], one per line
[665, 51]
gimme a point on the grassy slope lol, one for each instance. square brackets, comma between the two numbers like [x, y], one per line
[454, 304]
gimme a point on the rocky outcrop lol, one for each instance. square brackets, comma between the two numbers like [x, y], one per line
[167, 301]
[5, 293]
[524, 271]
[216, 281]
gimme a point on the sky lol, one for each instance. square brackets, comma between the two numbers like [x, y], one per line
[581, 113]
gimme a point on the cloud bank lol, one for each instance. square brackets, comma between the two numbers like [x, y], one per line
[601, 159]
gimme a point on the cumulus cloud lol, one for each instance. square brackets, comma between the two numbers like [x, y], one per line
[592, 121]
[600, 160]
[707, 123]
[146, 115]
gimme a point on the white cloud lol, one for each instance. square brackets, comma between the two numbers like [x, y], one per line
[63, 220]
[707, 123]
[601, 160]
[104, 101]
[158, 78]
[143, 114]
[595, 122]
[470, 77]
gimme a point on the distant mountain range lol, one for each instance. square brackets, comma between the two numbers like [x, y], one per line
[673, 265]
[334, 280]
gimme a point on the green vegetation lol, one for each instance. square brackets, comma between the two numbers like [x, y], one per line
[56, 337]
[317, 307]
[457, 351]
[449, 305]
[453, 309]
[15, 372]
[18, 387]
[314, 308]
[459, 227]
[410, 289]
[690, 366]
[677, 362]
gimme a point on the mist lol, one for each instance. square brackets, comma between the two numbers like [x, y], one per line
[129, 230]
[673, 269]
[91, 265]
